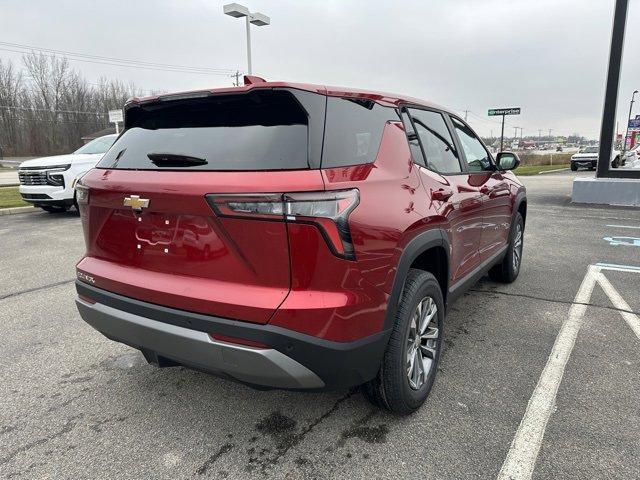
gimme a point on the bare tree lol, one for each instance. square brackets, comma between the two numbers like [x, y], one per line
[48, 109]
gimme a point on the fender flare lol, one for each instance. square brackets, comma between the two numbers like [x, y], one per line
[419, 244]
[520, 197]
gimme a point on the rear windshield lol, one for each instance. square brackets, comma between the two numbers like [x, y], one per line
[263, 130]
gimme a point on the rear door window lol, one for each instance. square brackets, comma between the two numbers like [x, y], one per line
[437, 143]
[262, 130]
[353, 131]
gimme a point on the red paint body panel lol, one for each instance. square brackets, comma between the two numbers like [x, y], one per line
[177, 252]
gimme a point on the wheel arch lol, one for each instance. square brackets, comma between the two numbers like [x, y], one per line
[520, 206]
[428, 251]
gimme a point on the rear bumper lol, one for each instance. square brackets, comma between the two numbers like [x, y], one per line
[292, 361]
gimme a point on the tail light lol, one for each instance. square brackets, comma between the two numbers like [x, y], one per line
[329, 211]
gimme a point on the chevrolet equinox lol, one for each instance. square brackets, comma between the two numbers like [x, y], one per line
[294, 236]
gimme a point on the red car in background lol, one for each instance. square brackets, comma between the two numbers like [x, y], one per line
[294, 236]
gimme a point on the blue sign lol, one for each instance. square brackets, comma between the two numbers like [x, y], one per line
[634, 123]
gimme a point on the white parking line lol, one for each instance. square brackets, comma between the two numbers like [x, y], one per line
[522, 455]
[619, 268]
[623, 226]
[632, 320]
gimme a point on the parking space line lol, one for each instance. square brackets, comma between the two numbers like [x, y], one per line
[632, 320]
[522, 455]
[619, 268]
[623, 226]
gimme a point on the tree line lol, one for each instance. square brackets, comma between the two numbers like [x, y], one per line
[46, 107]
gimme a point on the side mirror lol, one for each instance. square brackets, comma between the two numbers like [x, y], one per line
[507, 161]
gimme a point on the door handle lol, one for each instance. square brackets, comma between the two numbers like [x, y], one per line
[442, 194]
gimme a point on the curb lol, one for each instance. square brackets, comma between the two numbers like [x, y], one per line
[16, 210]
[9, 185]
[551, 171]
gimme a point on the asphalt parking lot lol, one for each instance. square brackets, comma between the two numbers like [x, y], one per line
[75, 405]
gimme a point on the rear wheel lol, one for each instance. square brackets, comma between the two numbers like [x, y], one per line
[574, 167]
[54, 208]
[411, 360]
[507, 270]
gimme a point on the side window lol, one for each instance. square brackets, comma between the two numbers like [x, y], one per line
[414, 143]
[353, 131]
[478, 158]
[441, 155]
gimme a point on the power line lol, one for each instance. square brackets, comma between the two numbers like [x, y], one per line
[32, 109]
[121, 62]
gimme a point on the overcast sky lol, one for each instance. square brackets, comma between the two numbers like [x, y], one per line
[547, 56]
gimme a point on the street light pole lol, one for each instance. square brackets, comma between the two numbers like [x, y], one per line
[248, 45]
[259, 19]
[624, 140]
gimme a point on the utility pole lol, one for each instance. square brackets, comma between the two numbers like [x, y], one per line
[550, 130]
[465, 115]
[236, 83]
[502, 134]
[539, 137]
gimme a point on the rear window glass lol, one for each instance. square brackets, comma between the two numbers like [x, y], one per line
[353, 131]
[264, 130]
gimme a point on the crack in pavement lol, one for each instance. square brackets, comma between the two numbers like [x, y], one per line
[285, 441]
[224, 449]
[68, 426]
[551, 300]
[35, 289]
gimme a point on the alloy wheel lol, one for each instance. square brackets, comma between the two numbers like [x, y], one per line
[517, 248]
[422, 342]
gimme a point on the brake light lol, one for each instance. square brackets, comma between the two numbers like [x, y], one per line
[328, 210]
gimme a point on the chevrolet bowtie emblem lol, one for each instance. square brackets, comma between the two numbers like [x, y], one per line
[136, 203]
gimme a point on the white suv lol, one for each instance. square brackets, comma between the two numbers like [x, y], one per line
[49, 182]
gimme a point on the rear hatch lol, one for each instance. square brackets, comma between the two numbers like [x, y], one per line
[149, 218]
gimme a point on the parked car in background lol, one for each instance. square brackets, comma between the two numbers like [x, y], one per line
[588, 158]
[632, 157]
[295, 236]
[49, 182]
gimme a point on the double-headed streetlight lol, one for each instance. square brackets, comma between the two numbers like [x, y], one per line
[624, 140]
[238, 11]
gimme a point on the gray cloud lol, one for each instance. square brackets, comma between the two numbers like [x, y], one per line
[548, 57]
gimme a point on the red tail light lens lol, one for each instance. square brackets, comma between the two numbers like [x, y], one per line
[328, 210]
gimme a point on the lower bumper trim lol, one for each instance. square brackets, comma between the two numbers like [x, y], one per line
[259, 366]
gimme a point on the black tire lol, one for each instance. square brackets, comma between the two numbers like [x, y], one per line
[616, 162]
[54, 208]
[507, 270]
[574, 167]
[391, 388]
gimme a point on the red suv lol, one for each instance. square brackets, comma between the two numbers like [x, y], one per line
[294, 236]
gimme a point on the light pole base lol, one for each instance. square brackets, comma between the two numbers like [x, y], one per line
[606, 191]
